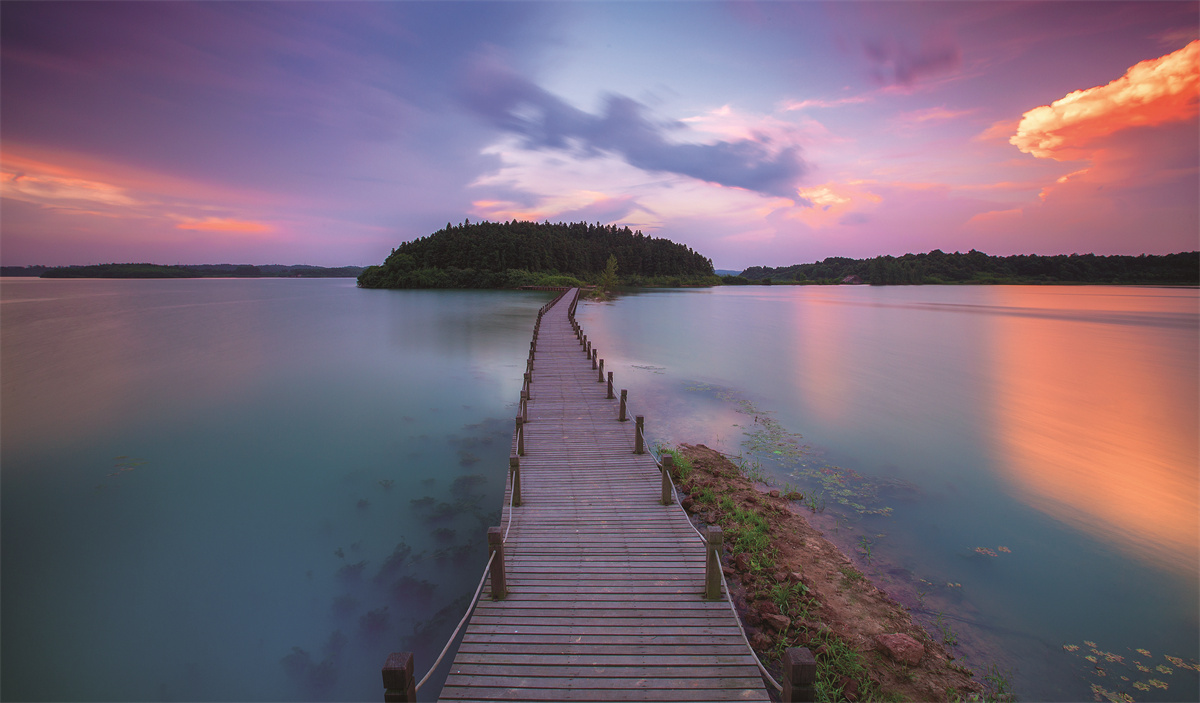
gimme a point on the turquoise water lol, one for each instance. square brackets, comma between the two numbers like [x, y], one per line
[200, 477]
[256, 489]
[1020, 461]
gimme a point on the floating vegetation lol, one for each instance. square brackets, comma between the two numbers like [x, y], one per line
[345, 605]
[123, 464]
[363, 504]
[351, 573]
[767, 437]
[465, 485]
[374, 622]
[651, 369]
[1006, 550]
[1113, 660]
[423, 502]
[339, 553]
[444, 534]
[466, 458]
[386, 483]
[985, 552]
[394, 562]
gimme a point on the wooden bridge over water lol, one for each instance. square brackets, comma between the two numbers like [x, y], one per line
[598, 587]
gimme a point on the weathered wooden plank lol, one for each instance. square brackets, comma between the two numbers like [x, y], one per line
[499, 694]
[605, 581]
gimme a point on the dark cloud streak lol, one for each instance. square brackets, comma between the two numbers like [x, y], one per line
[514, 104]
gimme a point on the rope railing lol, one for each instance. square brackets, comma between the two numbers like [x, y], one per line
[398, 670]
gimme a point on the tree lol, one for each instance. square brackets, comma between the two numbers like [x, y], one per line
[608, 279]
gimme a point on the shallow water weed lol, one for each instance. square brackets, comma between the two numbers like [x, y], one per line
[1113, 667]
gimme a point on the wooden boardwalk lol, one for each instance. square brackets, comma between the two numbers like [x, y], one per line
[605, 584]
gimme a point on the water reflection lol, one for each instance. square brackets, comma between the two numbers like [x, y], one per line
[1096, 431]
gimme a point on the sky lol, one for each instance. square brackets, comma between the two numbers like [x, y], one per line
[757, 133]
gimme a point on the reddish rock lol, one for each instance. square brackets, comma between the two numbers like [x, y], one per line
[767, 607]
[901, 647]
[687, 504]
[795, 577]
[779, 623]
[774, 494]
[760, 641]
[850, 689]
[742, 562]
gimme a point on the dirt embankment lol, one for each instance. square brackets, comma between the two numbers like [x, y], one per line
[793, 588]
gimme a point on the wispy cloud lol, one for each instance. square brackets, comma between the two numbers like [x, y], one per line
[896, 62]
[625, 128]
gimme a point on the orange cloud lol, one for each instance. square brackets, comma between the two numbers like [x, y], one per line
[1152, 92]
[223, 224]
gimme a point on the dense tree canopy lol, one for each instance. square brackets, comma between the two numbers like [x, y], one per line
[977, 267]
[506, 254]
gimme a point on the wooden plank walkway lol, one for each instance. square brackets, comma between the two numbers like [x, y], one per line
[605, 583]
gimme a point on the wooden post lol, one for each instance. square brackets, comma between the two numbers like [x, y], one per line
[638, 429]
[520, 436]
[528, 378]
[668, 462]
[524, 406]
[399, 683]
[587, 349]
[712, 565]
[595, 355]
[610, 390]
[514, 469]
[799, 675]
[600, 376]
[624, 402]
[585, 341]
[496, 545]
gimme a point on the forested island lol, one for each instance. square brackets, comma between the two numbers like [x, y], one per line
[976, 267]
[514, 254]
[182, 271]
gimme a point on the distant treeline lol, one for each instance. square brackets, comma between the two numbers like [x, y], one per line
[977, 267]
[183, 271]
[514, 254]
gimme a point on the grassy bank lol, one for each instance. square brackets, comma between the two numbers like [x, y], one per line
[794, 588]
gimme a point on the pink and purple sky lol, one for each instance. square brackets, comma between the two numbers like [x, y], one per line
[766, 133]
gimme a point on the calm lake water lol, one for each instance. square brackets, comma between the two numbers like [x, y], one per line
[256, 489]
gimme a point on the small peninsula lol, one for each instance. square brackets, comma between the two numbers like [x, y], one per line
[515, 254]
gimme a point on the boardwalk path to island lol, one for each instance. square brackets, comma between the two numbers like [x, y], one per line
[605, 584]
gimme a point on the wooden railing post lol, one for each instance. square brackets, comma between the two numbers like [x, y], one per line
[524, 406]
[585, 341]
[668, 462]
[399, 683]
[610, 388]
[514, 470]
[496, 546]
[595, 355]
[520, 436]
[600, 376]
[528, 378]
[638, 439]
[712, 565]
[624, 403]
[799, 675]
[587, 349]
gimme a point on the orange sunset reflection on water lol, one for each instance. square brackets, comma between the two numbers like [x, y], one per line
[1091, 429]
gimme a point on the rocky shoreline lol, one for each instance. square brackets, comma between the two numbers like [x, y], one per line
[794, 588]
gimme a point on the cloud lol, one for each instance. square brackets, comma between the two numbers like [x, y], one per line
[790, 105]
[225, 224]
[1152, 92]
[895, 63]
[545, 121]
